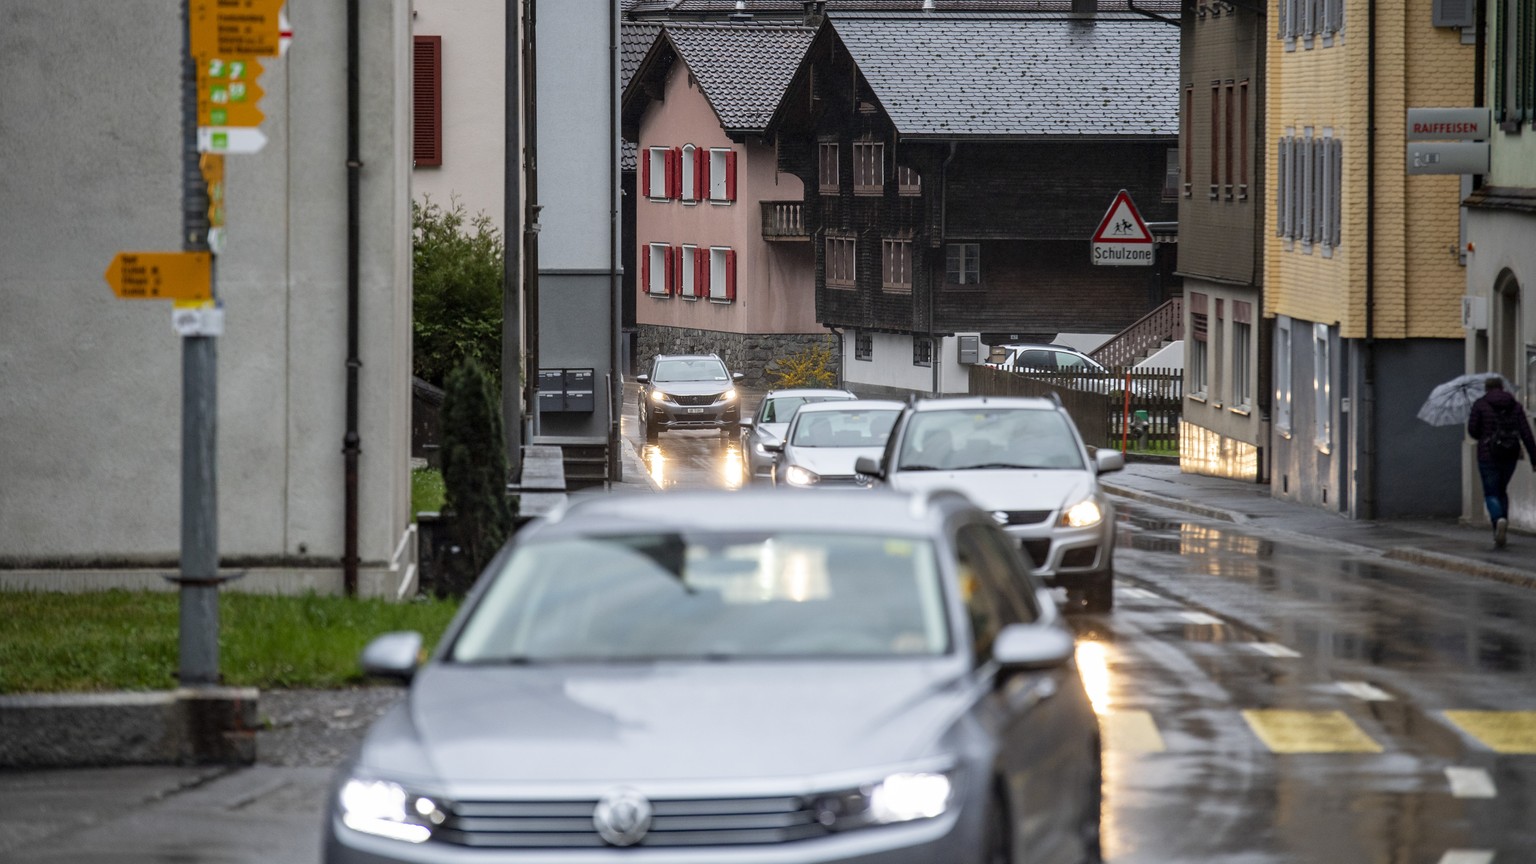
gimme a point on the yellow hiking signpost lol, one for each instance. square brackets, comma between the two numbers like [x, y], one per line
[161, 275]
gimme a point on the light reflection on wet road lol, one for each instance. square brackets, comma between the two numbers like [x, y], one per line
[1265, 701]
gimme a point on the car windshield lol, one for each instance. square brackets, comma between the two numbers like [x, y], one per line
[709, 596]
[959, 440]
[780, 408]
[690, 369]
[843, 428]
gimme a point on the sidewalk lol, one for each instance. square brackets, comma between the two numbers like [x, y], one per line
[1442, 543]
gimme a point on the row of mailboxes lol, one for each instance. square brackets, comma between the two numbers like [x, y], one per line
[566, 390]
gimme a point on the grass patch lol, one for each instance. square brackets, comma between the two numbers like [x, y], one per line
[129, 640]
[427, 491]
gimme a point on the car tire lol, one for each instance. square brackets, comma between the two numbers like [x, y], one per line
[652, 434]
[1096, 597]
[732, 430]
[997, 841]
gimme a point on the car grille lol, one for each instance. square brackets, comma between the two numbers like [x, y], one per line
[1025, 517]
[568, 824]
[1039, 551]
[695, 401]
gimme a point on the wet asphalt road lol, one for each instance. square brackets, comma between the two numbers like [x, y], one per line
[1263, 701]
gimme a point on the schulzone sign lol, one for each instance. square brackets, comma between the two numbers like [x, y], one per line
[1123, 239]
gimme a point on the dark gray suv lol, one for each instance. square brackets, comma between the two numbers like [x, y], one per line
[689, 391]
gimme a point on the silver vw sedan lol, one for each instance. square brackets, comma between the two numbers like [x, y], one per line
[736, 677]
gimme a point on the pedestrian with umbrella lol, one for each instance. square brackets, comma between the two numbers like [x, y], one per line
[1497, 420]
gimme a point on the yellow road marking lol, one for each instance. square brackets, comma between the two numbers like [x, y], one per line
[1285, 731]
[1130, 732]
[1499, 731]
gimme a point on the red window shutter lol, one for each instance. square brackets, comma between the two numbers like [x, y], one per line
[645, 173]
[700, 281]
[666, 269]
[730, 175]
[427, 101]
[704, 269]
[676, 286]
[645, 269]
[676, 186]
[730, 274]
[701, 176]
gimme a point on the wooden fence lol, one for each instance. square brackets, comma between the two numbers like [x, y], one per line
[1098, 403]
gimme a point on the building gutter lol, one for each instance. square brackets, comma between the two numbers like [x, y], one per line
[615, 384]
[1366, 469]
[352, 443]
[531, 213]
[511, 265]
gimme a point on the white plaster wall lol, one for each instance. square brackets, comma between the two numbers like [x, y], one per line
[473, 108]
[890, 365]
[90, 388]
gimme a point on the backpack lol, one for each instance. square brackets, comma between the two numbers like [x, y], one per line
[1504, 443]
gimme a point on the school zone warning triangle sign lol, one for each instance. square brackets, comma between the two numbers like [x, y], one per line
[1123, 239]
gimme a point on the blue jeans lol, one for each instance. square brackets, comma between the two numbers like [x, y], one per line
[1496, 476]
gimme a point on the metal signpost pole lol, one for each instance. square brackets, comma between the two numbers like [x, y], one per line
[198, 579]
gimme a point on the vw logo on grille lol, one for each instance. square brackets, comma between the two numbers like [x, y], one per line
[622, 817]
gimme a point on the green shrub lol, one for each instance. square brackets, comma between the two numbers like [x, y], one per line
[457, 264]
[475, 475]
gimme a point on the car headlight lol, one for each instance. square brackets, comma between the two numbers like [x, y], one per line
[760, 446]
[897, 798]
[386, 809]
[797, 476]
[1082, 514]
[658, 396]
[728, 396]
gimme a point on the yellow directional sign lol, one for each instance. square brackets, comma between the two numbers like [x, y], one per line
[212, 165]
[162, 275]
[227, 91]
[236, 28]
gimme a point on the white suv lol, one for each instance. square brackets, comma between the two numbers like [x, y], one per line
[1023, 460]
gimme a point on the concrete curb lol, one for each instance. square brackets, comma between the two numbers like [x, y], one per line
[189, 726]
[1454, 564]
[1172, 503]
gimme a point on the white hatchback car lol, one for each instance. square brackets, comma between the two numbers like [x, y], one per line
[1022, 460]
[825, 439]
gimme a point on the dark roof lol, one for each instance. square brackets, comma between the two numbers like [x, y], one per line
[1019, 75]
[742, 70]
[635, 40]
[782, 9]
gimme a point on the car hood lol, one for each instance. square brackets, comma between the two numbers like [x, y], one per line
[829, 461]
[570, 723]
[1004, 489]
[692, 388]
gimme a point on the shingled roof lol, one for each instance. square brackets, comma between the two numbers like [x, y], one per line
[635, 40]
[781, 9]
[1024, 75]
[742, 70]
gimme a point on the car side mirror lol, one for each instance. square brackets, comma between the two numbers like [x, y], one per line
[642, 378]
[774, 446]
[1107, 460]
[737, 376]
[746, 422]
[1023, 647]
[393, 656]
[869, 466]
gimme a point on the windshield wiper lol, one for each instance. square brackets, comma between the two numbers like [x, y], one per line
[920, 467]
[988, 465]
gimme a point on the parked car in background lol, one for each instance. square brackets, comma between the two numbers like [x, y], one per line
[1034, 357]
[768, 424]
[824, 441]
[1022, 460]
[735, 677]
[689, 391]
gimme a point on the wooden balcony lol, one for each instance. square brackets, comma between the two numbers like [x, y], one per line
[784, 220]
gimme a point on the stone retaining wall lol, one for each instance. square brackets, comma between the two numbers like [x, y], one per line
[747, 353]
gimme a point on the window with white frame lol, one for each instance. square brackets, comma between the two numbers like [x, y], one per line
[841, 252]
[868, 167]
[1199, 344]
[1321, 378]
[896, 256]
[722, 175]
[962, 264]
[722, 273]
[863, 345]
[689, 166]
[922, 351]
[1308, 23]
[657, 161]
[827, 167]
[657, 269]
[908, 181]
[1309, 173]
[1242, 355]
[1513, 41]
[688, 278]
[1283, 377]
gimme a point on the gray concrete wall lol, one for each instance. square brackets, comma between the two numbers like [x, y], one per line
[1419, 465]
[90, 404]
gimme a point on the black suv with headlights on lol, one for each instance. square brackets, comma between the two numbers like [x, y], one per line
[689, 391]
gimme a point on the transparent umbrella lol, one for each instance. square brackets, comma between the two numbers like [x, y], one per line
[1450, 403]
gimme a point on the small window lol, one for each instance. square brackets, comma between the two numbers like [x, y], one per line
[657, 269]
[840, 261]
[922, 351]
[427, 101]
[1199, 363]
[962, 264]
[897, 269]
[1242, 349]
[868, 167]
[863, 345]
[1321, 378]
[828, 171]
[722, 274]
[657, 160]
[908, 181]
[1283, 377]
[1189, 144]
[689, 183]
[1171, 175]
[688, 278]
[722, 176]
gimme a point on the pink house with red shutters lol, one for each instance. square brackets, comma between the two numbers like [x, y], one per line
[722, 259]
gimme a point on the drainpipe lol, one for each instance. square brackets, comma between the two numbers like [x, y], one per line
[1367, 407]
[352, 444]
[615, 388]
[511, 265]
[531, 212]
